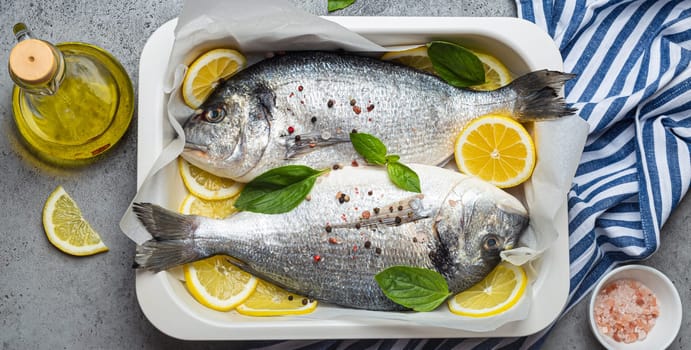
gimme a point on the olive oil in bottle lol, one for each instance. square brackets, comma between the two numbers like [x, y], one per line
[72, 101]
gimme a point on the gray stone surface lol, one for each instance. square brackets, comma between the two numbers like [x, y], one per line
[49, 300]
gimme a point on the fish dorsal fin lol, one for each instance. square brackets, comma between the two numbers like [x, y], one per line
[297, 145]
[407, 210]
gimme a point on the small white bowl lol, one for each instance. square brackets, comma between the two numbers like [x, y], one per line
[668, 322]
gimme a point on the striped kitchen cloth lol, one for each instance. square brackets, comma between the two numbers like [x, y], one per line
[633, 87]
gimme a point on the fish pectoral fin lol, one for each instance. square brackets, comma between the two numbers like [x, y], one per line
[239, 263]
[407, 210]
[298, 145]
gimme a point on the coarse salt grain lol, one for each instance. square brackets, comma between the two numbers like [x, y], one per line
[626, 310]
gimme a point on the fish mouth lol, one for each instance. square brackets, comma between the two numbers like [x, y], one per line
[195, 153]
[195, 148]
[519, 223]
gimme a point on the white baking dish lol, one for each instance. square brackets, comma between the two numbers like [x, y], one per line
[168, 305]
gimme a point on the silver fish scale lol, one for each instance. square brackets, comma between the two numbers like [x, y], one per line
[330, 249]
[344, 92]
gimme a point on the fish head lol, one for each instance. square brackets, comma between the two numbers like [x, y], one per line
[228, 134]
[475, 224]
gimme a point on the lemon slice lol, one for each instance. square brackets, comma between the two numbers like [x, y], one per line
[205, 185]
[207, 71]
[498, 292]
[496, 149]
[218, 209]
[415, 57]
[66, 228]
[496, 73]
[218, 284]
[270, 300]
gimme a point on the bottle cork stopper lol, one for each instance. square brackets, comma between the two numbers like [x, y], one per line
[33, 61]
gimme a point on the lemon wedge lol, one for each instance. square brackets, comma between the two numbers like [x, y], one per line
[218, 284]
[496, 149]
[270, 300]
[66, 228]
[207, 71]
[218, 209]
[205, 185]
[415, 57]
[495, 294]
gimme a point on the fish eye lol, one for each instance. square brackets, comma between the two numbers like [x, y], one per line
[491, 243]
[214, 115]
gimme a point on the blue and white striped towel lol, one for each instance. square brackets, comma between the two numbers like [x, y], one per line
[633, 88]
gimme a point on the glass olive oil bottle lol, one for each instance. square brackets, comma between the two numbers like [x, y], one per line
[72, 101]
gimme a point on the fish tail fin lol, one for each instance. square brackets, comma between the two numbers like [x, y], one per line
[538, 96]
[172, 243]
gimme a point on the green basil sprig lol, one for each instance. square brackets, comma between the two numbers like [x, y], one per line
[278, 190]
[456, 65]
[402, 176]
[413, 287]
[374, 152]
[335, 5]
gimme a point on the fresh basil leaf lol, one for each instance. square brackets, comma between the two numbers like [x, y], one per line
[403, 177]
[374, 151]
[279, 201]
[249, 195]
[392, 158]
[369, 147]
[283, 176]
[455, 64]
[334, 5]
[278, 190]
[413, 287]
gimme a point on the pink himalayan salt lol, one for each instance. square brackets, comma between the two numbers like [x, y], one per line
[626, 310]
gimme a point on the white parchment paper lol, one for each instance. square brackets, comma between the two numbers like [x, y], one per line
[263, 26]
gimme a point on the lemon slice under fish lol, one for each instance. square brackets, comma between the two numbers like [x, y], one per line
[496, 149]
[497, 293]
[225, 279]
[66, 228]
[217, 209]
[496, 73]
[205, 185]
[218, 284]
[270, 300]
[415, 57]
[207, 71]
